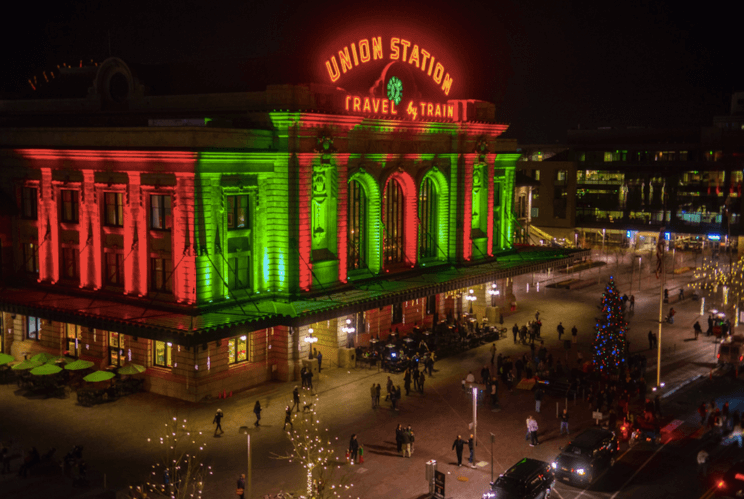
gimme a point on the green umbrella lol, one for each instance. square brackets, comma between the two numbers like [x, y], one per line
[78, 365]
[99, 376]
[5, 358]
[27, 364]
[45, 369]
[43, 357]
[131, 369]
[61, 360]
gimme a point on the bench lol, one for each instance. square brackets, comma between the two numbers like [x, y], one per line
[582, 284]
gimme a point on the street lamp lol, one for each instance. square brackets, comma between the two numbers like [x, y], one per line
[494, 293]
[310, 339]
[475, 421]
[471, 298]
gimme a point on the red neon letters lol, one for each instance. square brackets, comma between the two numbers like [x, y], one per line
[400, 50]
[385, 107]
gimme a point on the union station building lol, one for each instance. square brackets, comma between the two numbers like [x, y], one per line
[204, 235]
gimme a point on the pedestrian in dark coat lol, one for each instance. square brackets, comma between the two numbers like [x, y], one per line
[257, 412]
[485, 375]
[309, 377]
[429, 363]
[218, 421]
[303, 376]
[407, 381]
[296, 398]
[471, 448]
[241, 486]
[399, 438]
[561, 330]
[287, 418]
[406, 446]
[421, 383]
[320, 361]
[353, 448]
[574, 334]
[457, 447]
[373, 394]
[515, 332]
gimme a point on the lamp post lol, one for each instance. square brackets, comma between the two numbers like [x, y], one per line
[475, 421]
[471, 298]
[494, 293]
[310, 339]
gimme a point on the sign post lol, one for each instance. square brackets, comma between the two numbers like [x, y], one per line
[438, 485]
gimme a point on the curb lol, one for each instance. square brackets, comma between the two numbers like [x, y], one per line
[681, 385]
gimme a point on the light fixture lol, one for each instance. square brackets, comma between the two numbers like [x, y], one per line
[471, 298]
[310, 338]
[243, 338]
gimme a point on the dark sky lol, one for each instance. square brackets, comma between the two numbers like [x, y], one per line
[549, 66]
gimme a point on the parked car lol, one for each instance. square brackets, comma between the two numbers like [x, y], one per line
[528, 479]
[586, 456]
[732, 484]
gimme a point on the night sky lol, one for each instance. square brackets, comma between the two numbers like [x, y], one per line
[549, 66]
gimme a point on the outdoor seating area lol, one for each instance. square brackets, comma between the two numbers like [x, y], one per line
[58, 376]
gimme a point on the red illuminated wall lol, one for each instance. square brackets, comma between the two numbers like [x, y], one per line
[467, 247]
[305, 244]
[341, 212]
[490, 158]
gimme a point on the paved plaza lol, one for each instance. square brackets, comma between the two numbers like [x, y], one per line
[115, 435]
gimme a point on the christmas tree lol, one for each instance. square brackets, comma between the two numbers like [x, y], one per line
[609, 339]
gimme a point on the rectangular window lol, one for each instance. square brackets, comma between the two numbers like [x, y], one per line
[238, 272]
[536, 174]
[69, 210]
[29, 201]
[116, 349]
[74, 335]
[397, 313]
[237, 212]
[160, 212]
[114, 269]
[33, 328]
[31, 258]
[163, 354]
[237, 349]
[114, 209]
[160, 274]
[69, 263]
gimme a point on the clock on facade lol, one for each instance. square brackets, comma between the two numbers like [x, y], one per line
[395, 90]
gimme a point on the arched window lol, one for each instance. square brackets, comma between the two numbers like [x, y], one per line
[357, 227]
[394, 251]
[428, 209]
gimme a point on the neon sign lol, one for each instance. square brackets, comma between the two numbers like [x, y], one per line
[400, 49]
[387, 107]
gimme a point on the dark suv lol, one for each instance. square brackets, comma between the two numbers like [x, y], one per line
[586, 456]
[528, 479]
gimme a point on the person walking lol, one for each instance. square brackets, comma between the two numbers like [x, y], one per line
[493, 353]
[421, 383]
[241, 486]
[485, 375]
[457, 446]
[303, 376]
[309, 376]
[632, 303]
[399, 439]
[287, 418]
[561, 330]
[353, 448]
[575, 335]
[429, 363]
[494, 394]
[538, 399]
[320, 361]
[373, 394]
[515, 332]
[532, 427]
[378, 392]
[471, 448]
[406, 444]
[681, 294]
[702, 459]
[415, 375]
[389, 387]
[413, 439]
[697, 329]
[257, 412]
[651, 340]
[564, 421]
[296, 398]
[218, 421]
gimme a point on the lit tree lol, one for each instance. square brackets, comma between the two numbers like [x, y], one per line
[313, 447]
[609, 339]
[181, 466]
[728, 279]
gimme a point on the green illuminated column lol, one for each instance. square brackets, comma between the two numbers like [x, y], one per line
[504, 174]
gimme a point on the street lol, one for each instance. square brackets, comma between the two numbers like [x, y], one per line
[115, 435]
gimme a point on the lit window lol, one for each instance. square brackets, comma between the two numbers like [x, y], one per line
[163, 354]
[237, 349]
[237, 212]
[116, 349]
[29, 202]
[114, 208]
[160, 212]
[69, 212]
[74, 335]
[33, 328]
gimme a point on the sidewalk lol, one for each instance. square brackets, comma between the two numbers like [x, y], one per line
[115, 435]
